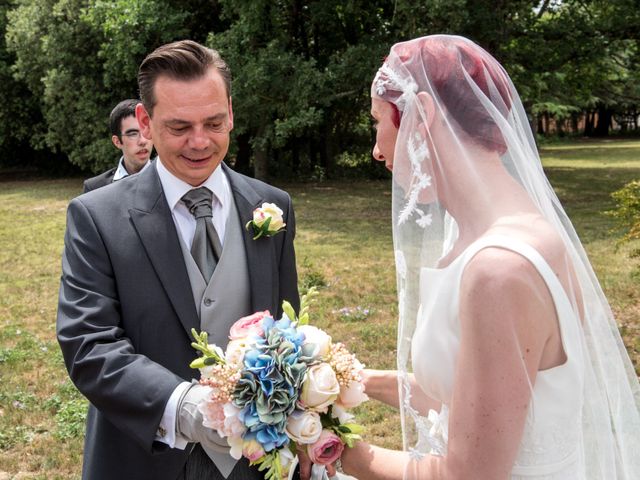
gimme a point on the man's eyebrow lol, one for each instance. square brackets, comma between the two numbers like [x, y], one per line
[177, 121]
[213, 118]
[216, 117]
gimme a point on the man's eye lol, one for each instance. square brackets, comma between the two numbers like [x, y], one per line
[178, 129]
[214, 126]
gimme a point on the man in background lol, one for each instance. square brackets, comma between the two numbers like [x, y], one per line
[126, 136]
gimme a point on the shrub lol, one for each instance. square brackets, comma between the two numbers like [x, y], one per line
[627, 213]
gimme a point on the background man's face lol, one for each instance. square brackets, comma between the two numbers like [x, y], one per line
[190, 125]
[135, 148]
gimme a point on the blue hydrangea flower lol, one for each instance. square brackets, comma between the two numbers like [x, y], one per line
[273, 375]
[269, 437]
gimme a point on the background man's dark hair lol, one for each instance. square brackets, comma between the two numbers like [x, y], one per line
[124, 109]
[182, 60]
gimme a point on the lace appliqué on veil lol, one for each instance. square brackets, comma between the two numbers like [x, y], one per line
[418, 151]
[433, 430]
[388, 79]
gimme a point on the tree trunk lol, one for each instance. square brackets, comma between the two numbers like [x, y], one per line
[540, 124]
[260, 154]
[243, 158]
[575, 118]
[588, 124]
[604, 122]
[260, 164]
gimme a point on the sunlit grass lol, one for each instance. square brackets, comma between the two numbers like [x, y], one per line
[343, 245]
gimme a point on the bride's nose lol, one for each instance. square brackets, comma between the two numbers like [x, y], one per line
[377, 154]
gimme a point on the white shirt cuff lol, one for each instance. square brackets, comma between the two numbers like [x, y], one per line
[167, 429]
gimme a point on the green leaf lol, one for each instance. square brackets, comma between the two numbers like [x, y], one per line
[198, 363]
[353, 428]
[288, 310]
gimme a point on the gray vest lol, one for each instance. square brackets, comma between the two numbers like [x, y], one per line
[224, 300]
[227, 297]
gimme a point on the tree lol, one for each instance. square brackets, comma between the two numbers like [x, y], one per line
[79, 59]
[19, 115]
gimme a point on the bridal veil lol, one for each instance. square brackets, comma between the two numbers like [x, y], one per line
[451, 80]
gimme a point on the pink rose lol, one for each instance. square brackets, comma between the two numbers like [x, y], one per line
[223, 418]
[248, 325]
[327, 449]
[213, 414]
[252, 450]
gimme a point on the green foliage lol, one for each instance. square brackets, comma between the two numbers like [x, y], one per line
[80, 58]
[18, 110]
[627, 211]
[310, 276]
[70, 419]
[301, 70]
[69, 409]
[349, 433]
[211, 355]
[270, 464]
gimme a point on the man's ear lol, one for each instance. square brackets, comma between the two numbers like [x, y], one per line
[116, 141]
[230, 115]
[144, 120]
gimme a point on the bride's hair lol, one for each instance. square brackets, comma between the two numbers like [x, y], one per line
[451, 64]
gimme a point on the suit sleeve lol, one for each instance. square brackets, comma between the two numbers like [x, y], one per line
[129, 389]
[288, 274]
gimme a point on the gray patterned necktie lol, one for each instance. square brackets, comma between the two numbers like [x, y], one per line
[206, 248]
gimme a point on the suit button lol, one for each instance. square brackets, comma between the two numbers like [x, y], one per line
[207, 302]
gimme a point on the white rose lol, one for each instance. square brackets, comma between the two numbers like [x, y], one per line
[235, 352]
[269, 210]
[288, 461]
[320, 388]
[318, 338]
[236, 444]
[352, 396]
[304, 427]
[341, 414]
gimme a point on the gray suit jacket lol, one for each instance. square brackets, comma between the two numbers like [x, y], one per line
[126, 311]
[105, 178]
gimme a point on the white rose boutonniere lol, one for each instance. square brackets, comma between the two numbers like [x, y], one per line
[267, 221]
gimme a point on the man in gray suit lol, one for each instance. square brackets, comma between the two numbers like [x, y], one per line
[126, 137]
[142, 266]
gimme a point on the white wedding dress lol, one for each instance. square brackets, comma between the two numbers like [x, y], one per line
[550, 447]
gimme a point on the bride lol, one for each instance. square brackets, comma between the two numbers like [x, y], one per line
[510, 365]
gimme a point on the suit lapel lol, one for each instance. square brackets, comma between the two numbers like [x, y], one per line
[152, 220]
[260, 253]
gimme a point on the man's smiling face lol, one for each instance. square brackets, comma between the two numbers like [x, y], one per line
[190, 126]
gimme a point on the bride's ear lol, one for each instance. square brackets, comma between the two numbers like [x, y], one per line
[429, 108]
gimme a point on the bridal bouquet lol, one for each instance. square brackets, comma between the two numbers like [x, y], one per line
[279, 386]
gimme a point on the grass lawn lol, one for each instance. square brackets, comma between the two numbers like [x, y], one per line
[343, 243]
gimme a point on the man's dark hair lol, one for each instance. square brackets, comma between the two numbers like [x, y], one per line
[183, 60]
[126, 108]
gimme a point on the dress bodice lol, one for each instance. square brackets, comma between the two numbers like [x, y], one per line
[550, 444]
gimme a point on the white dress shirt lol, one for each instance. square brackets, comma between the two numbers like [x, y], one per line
[121, 171]
[185, 222]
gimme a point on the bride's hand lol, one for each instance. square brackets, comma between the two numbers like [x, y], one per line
[304, 463]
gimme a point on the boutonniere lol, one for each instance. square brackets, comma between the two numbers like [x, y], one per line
[267, 221]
